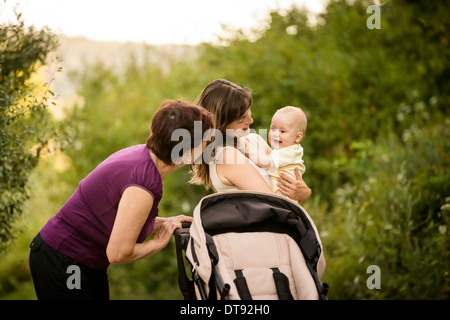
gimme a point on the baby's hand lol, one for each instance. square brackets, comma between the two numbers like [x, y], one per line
[257, 150]
[244, 146]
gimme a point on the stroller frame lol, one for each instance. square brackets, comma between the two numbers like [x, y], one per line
[245, 211]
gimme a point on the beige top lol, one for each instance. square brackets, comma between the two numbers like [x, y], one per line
[285, 161]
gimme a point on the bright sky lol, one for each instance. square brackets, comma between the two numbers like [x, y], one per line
[150, 21]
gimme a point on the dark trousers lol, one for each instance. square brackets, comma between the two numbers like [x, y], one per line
[56, 276]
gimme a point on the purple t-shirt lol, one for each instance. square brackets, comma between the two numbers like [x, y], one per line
[82, 227]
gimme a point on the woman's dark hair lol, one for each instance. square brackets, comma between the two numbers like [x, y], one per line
[173, 115]
[227, 102]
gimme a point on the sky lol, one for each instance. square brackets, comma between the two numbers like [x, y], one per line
[149, 21]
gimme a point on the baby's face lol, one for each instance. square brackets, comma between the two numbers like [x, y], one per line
[284, 131]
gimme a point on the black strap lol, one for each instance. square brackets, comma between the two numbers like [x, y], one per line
[186, 285]
[282, 285]
[212, 289]
[212, 250]
[241, 286]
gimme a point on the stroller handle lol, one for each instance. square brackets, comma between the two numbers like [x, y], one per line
[185, 225]
[182, 234]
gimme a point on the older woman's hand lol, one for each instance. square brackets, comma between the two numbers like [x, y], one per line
[165, 227]
[178, 220]
[294, 188]
[175, 221]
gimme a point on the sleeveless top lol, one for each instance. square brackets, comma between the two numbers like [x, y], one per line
[82, 227]
[219, 186]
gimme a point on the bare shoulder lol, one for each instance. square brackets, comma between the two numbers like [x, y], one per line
[231, 156]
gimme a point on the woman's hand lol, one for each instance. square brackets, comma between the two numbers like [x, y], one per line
[294, 188]
[164, 228]
[180, 219]
[176, 221]
[164, 231]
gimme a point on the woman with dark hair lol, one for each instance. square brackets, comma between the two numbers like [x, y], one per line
[230, 169]
[113, 210]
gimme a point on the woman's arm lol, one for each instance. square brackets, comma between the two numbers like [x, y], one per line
[132, 213]
[233, 168]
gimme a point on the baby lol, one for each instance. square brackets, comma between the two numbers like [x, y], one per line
[286, 131]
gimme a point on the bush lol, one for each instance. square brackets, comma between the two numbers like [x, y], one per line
[26, 125]
[394, 214]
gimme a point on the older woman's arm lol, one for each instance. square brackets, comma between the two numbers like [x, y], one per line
[132, 213]
[294, 188]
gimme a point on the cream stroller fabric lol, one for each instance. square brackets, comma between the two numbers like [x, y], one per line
[256, 256]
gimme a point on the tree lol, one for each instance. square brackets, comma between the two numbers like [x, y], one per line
[25, 122]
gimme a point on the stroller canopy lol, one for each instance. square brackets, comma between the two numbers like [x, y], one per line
[245, 237]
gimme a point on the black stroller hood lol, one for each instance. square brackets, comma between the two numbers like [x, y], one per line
[244, 212]
[250, 212]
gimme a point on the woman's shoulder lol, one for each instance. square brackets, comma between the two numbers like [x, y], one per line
[218, 185]
[229, 155]
[219, 150]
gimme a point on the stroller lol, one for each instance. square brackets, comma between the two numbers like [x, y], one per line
[250, 246]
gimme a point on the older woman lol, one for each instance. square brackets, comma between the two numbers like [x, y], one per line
[230, 169]
[113, 210]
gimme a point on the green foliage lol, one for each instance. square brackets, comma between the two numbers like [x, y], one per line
[393, 214]
[26, 124]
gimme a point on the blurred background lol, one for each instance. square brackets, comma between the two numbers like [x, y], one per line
[377, 148]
